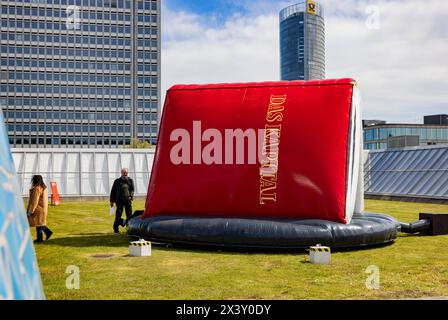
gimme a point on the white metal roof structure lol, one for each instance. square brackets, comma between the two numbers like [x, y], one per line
[83, 172]
[418, 172]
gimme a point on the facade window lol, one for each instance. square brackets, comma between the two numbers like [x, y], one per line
[64, 87]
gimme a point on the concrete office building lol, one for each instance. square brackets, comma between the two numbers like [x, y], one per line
[302, 42]
[382, 135]
[82, 73]
[438, 119]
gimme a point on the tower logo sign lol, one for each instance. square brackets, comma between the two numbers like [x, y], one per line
[312, 7]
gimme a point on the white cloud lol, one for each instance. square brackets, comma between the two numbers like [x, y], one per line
[180, 25]
[244, 49]
[401, 68]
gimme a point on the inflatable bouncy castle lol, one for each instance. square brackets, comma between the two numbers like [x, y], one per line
[275, 164]
[19, 274]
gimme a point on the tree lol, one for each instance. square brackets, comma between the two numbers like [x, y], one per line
[137, 144]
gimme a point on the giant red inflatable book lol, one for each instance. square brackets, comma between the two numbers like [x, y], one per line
[281, 150]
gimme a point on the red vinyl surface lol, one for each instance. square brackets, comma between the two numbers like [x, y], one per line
[309, 151]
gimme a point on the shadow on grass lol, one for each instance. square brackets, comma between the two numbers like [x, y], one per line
[122, 240]
[255, 251]
[413, 235]
[83, 240]
[91, 240]
[224, 250]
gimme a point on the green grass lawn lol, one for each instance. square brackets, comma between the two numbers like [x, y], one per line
[413, 267]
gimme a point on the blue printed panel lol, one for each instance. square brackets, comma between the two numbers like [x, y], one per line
[19, 273]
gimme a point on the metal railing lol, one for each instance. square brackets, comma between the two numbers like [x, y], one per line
[83, 172]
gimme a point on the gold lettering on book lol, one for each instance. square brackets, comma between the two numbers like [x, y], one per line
[271, 147]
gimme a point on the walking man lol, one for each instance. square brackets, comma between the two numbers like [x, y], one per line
[122, 194]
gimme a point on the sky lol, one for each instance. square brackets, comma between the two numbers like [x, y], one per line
[397, 50]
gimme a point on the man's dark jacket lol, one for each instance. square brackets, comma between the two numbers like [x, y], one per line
[115, 193]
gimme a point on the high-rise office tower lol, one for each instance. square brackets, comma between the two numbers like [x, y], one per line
[83, 73]
[302, 42]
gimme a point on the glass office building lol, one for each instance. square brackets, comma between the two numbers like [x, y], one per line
[83, 73]
[376, 137]
[302, 42]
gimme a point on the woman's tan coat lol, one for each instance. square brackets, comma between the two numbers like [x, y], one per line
[38, 206]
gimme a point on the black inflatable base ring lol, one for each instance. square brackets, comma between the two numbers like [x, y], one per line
[368, 229]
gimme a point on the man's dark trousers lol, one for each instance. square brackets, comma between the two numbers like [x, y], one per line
[118, 220]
